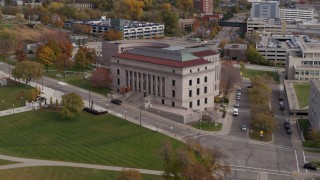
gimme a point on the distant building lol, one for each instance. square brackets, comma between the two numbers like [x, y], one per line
[186, 24]
[266, 10]
[314, 104]
[291, 15]
[81, 6]
[210, 18]
[130, 29]
[235, 51]
[184, 78]
[204, 6]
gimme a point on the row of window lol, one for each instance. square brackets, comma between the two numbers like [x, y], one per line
[308, 73]
[205, 90]
[198, 80]
[198, 102]
[311, 63]
[174, 71]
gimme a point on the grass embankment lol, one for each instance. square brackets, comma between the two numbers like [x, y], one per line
[247, 73]
[105, 139]
[302, 92]
[304, 124]
[77, 79]
[61, 173]
[11, 95]
[206, 126]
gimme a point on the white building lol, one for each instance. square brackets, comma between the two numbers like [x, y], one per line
[303, 63]
[266, 10]
[185, 78]
[291, 15]
[314, 104]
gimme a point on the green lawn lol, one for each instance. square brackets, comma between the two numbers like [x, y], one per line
[247, 73]
[5, 162]
[61, 173]
[11, 95]
[104, 139]
[8, 26]
[207, 126]
[77, 79]
[302, 92]
[304, 124]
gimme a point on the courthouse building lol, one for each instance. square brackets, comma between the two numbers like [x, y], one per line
[186, 78]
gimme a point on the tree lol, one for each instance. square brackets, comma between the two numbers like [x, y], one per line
[193, 162]
[229, 77]
[46, 56]
[314, 135]
[27, 71]
[85, 57]
[71, 105]
[170, 20]
[112, 35]
[185, 5]
[223, 43]
[20, 55]
[128, 9]
[252, 38]
[129, 175]
[101, 78]
[255, 57]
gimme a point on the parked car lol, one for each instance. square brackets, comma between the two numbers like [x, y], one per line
[238, 97]
[244, 127]
[237, 104]
[289, 131]
[281, 103]
[287, 126]
[309, 165]
[235, 112]
[250, 86]
[282, 107]
[116, 101]
[280, 98]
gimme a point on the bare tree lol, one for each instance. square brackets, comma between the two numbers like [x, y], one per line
[229, 77]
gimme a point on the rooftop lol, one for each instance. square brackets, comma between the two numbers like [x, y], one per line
[235, 46]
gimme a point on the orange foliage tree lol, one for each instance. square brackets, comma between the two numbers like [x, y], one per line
[101, 78]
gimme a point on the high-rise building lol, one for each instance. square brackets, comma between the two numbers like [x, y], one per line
[314, 104]
[266, 10]
[204, 6]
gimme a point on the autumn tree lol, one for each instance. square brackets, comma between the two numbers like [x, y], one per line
[128, 9]
[255, 57]
[129, 175]
[27, 71]
[71, 105]
[112, 35]
[170, 20]
[193, 162]
[85, 57]
[46, 56]
[185, 5]
[223, 43]
[314, 135]
[252, 38]
[229, 77]
[101, 78]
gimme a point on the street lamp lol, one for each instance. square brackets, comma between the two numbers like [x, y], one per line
[125, 115]
[2, 104]
[157, 126]
[22, 100]
[12, 108]
[107, 107]
[199, 131]
[140, 115]
[42, 82]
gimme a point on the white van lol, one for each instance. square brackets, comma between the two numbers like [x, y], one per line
[235, 112]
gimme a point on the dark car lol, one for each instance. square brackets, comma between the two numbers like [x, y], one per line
[309, 165]
[280, 98]
[116, 101]
[286, 125]
[250, 86]
[282, 107]
[289, 131]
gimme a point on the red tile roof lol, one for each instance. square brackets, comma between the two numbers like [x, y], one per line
[205, 53]
[164, 62]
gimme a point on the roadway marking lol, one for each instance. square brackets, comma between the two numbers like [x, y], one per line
[295, 152]
[260, 170]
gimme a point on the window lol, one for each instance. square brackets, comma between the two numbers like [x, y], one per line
[198, 80]
[173, 93]
[190, 104]
[162, 101]
[173, 71]
[118, 71]
[205, 79]
[190, 70]
[118, 81]
[198, 69]
[173, 104]
[205, 68]
[198, 91]
[190, 82]
[190, 93]
[206, 100]
[173, 82]
[198, 102]
[205, 89]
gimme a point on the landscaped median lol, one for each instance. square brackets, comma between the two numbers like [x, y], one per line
[302, 91]
[311, 136]
[207, 126]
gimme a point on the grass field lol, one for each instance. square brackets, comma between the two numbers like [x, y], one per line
[104, 139]
[79, 81]
[302, 92]
[5, 162]
[11, 95]
[7, 26]
[207, 126]
[61, 173]
[247, 73]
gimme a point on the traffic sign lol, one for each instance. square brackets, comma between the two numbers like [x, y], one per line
[261, 132]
